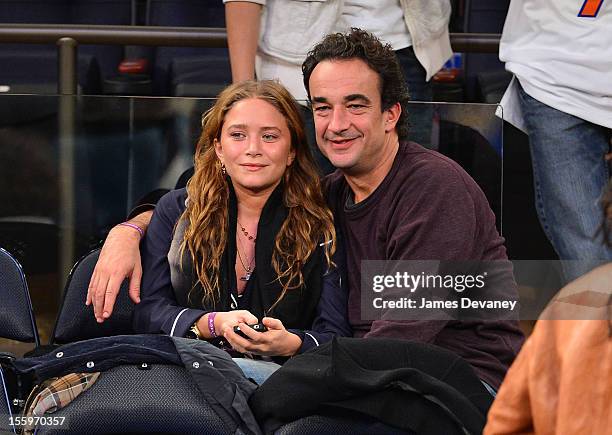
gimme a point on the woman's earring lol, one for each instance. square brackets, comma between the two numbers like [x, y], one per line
[223, 169]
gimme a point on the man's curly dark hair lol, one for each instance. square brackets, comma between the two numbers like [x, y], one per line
[359, 44]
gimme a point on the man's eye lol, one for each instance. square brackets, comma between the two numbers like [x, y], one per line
[321, 109]
[356, 106]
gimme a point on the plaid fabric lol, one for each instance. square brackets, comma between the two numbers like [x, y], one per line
[56, 393]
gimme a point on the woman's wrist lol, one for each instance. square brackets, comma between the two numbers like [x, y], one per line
[210, 323]
[202, 325]
[292, 345]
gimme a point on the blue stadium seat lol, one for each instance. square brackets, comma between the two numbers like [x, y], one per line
[194, 72]
[483, 16]
[76, 321]
[103, 12]
[16, 323]
[16, 316]
[34, 66]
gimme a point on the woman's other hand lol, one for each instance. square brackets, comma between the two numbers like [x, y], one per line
[277, 341]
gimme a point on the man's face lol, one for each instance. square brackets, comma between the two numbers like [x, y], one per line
[352, 131]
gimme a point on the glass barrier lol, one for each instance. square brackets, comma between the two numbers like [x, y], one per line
[72, 167]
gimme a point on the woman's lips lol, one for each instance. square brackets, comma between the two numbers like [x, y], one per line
[252, 166]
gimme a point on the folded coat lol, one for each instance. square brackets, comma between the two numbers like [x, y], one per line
[413, 386]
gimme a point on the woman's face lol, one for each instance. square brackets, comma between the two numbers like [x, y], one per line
[255, 145]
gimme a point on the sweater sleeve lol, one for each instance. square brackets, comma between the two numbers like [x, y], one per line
[158, 311]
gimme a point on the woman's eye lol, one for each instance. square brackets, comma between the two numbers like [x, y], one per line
[237, 135]
[269, 137]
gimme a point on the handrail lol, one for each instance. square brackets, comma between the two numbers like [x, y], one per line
[475, 42]
[114, 35]
[67, 37]
[178, 36]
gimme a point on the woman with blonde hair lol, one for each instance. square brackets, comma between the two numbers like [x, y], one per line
[249, 240]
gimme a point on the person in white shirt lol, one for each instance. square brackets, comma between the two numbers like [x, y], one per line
[560, 52]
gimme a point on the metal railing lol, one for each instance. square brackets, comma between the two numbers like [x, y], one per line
[68, 37]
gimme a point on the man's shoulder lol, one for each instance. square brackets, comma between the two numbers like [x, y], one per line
[430, 169]
[416, 160]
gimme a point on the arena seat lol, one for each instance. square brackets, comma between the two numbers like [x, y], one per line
[75, 320]
[5, 406]
[16, 323]
[483, 16]
[16, 316]
[103, 12]
[338, 425]
[34, 66]
[192, 72]
[160, 399]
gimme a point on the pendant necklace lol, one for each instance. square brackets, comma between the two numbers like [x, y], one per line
[247, 267]
[246, 233]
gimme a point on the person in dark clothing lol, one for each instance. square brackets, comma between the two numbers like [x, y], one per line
[395, 200]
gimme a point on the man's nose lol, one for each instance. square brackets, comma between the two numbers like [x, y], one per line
[339, 121]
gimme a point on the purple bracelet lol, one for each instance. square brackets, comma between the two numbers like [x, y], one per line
[211, 324]
[136, 227]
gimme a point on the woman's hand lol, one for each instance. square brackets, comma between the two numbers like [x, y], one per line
[277, 341]
[226, 320]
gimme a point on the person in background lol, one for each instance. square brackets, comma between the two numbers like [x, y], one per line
[560, 52]
[561, 381]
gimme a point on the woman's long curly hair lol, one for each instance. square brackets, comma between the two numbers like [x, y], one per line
[309, 221]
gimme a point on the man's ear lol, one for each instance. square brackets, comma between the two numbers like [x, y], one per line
[392, 115]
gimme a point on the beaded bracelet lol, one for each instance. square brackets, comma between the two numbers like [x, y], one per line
[211, 324]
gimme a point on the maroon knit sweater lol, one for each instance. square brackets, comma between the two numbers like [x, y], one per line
[426, 208]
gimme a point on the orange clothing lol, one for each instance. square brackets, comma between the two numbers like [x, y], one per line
[561, 381]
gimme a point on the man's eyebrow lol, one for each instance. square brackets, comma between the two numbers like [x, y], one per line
[319, 100]
[353, 97]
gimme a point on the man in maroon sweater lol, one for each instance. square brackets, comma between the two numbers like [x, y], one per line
[392, 199]
[395, 200]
